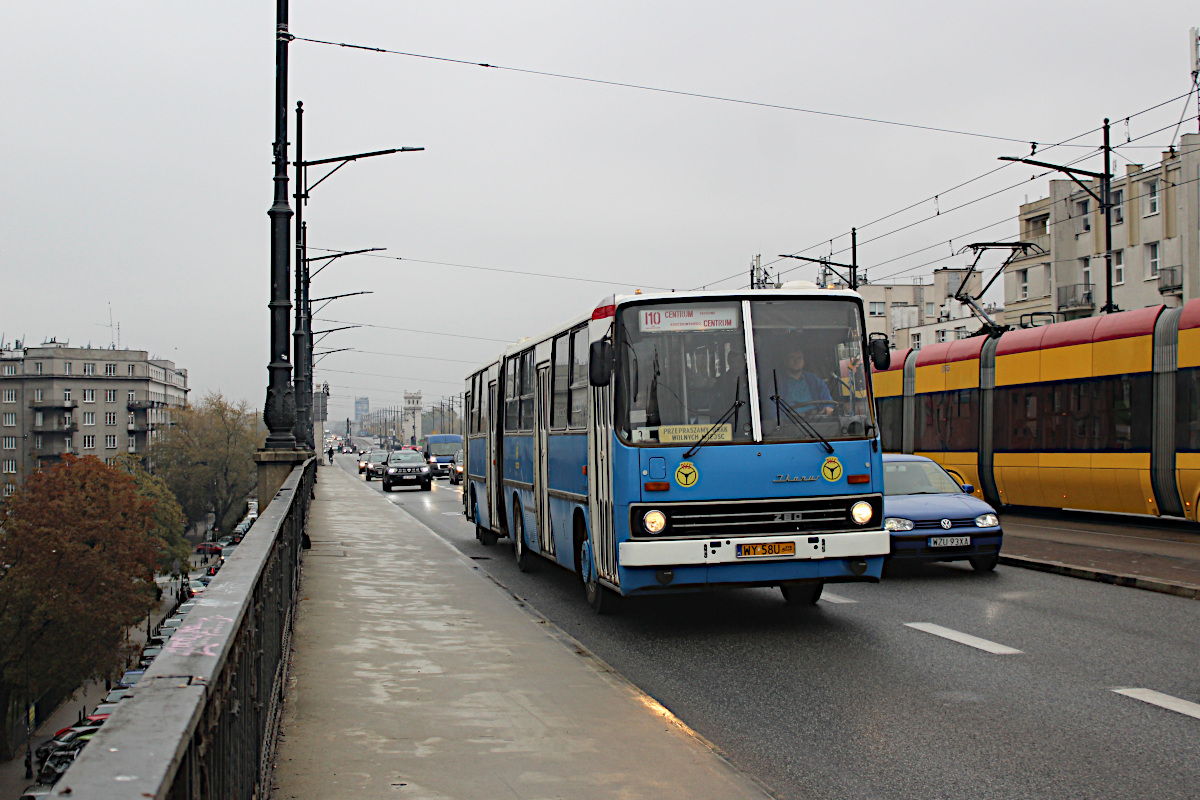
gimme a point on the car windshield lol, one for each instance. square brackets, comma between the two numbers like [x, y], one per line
[444, 448]
[378, 458]
[682, 369]
[917, 477]
[406, 457]
[458, 456]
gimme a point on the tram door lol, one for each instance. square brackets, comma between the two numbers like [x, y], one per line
[493, 477]
[541, 459]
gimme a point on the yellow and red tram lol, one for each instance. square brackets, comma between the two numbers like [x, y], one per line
[1100, 413]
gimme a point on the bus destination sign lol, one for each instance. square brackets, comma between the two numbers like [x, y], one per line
[684, 319]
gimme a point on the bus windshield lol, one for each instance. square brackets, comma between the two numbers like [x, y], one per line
[682, 374]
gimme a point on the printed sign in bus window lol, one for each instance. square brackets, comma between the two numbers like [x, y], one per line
[695, 318]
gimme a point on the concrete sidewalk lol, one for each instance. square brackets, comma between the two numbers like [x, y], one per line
[415, 676]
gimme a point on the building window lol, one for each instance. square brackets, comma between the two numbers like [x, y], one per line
[66, 368]
[960, 333]
[66, 394]
[89, 442]
[130, 370]
[10, 443]
[37, 417]
[37, 395]
[10, 466]
[110, 441]
[915, 341]
[37, 442]
[1022, 284]
[10, 419]
[89, 395]
[10, 395]
[37, 368]
[1036, 226]
[89, 368]
[1152, 260]
[89, 418]
[110, 395]
[940, 336]
[930, 310]
[878, 309]
[130, 417]
[67, 419]
[110, 370]
[132, 444]
[132, 396]
[1117, 200]
[10, 489]
[10, 369]
[1085, 219]
[1118, 266]
[110, 418]
[1151, 198]
[1085, 269]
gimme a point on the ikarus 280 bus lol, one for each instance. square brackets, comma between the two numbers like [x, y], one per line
[684, 441]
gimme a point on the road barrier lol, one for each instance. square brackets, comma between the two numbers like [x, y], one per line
[201, 723]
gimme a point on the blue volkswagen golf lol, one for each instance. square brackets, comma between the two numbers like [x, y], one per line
[932, 518]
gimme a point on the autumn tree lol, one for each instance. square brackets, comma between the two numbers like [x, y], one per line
[167, 534]
[76, 572]
[206, 458]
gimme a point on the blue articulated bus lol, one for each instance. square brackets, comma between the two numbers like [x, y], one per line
[685, 441]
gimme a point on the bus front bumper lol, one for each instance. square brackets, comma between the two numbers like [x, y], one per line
[717, 550]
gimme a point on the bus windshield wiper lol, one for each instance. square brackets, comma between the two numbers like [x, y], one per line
[796, 418]
[732, 410]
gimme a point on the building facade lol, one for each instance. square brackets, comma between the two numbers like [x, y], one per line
[362, 407]
[56, 399]
[920, 313]
[1155, 243]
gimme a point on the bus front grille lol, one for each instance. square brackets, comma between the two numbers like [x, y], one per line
[726, 518]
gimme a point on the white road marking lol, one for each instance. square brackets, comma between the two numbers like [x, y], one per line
[964, 638]
[830, 597]
[1161, 700]
[452, 513]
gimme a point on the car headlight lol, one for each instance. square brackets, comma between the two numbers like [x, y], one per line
[861, 512]
[987, 521]
[654, 521]
[424, 469]
[459, 467]
[391, 470]
[897, 524]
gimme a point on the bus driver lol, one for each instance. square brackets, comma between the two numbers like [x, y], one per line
[802, 390]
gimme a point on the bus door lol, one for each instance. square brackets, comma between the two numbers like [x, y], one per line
[493, 473]
[541, 455]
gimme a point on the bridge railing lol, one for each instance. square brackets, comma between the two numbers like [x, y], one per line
[201, 723]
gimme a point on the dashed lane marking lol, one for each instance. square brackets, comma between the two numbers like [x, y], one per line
[1161, 700]
[830, 597]
[964, 638]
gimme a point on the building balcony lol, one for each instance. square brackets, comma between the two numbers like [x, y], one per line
[1076, 297]
[52, 403]
[56, 426]
[1170, 280]
[139, 405]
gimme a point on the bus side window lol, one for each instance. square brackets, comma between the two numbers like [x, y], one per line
[511, 399]
[560, 380]
[579, 378]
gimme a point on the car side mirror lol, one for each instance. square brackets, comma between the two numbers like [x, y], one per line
[600, 363]
[968, 488]
[881, 351]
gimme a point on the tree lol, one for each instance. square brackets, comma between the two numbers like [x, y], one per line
[168, 515]
[206, 458]
[76, 572]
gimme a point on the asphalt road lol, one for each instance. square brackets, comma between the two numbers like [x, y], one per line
[849, 700]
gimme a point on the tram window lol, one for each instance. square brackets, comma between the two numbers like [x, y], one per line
[526, 409]
[947, 421]
[1093, 415]
[579, 378]
[1187, 410]
[891, 422]
[512, 400]
[561, 380]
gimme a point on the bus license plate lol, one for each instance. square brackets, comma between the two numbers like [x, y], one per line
[949, 541]
[766, 549]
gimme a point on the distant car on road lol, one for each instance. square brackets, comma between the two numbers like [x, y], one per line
[457, 467]
[209, 548]
[363, 460]
[440, 449]
[406, 467]
[931, 517]
[376, 464]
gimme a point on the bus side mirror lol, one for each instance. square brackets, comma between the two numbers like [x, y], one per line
[881, 351]
[600, 363]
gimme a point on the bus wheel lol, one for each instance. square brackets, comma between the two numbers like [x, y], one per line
[520, 551]
[806, 594]
[601, 599]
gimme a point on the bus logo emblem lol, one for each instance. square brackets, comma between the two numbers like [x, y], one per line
[831, 470]
[686, 474]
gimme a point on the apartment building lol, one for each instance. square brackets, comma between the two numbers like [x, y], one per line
[923, 311]
[1155, 241]
[57, 399]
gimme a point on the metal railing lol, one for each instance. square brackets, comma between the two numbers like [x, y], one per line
[1076, 295]
[201, 723]
[1170, 280]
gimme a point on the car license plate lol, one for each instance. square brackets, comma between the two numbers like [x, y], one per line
[949, 541]
[766, 549]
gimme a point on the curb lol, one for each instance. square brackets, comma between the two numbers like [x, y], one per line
[1116, 579]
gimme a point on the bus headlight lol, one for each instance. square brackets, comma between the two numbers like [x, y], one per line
[654, 521]
[861, 512]
[987, 521]
[897, 524]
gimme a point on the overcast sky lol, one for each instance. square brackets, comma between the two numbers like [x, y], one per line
[136, 168]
